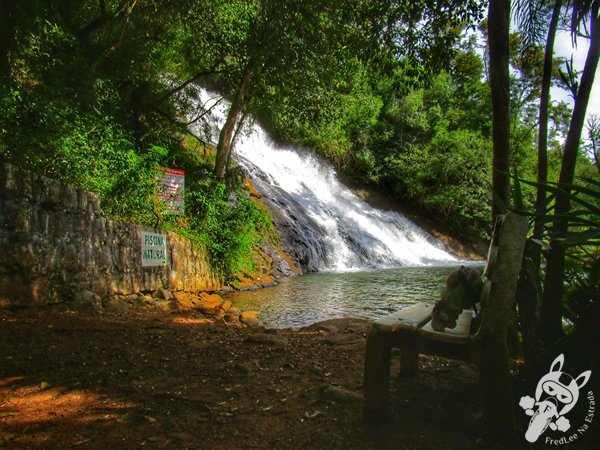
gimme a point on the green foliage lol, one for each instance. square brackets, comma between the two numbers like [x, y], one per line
[582, 222]
[226, 222]
[85, 148]
[449, 177]
[85, 103]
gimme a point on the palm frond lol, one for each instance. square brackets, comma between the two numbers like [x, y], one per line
[531, 18]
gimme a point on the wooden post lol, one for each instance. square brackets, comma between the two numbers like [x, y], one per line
[377, 377]
[491, 339]
[409, 354]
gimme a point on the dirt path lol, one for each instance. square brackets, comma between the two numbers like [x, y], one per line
[145, 380]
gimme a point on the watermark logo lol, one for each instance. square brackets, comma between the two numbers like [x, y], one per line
[556, 394]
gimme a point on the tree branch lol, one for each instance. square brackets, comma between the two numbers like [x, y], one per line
[205, 111]
[186, 83]
[170, 119]
[101, 20]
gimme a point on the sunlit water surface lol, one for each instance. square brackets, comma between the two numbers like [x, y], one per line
[303, 300]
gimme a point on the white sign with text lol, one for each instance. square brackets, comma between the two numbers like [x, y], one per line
[154, 249]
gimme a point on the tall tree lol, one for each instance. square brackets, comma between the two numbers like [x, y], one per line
[551, 311]
[263, 42]
[542, 150]
[497, 390]
[498, 32]
[532, 19]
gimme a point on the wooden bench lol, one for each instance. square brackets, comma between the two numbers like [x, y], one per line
[410, 329]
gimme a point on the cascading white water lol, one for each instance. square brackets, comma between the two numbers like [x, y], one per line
[326, 224]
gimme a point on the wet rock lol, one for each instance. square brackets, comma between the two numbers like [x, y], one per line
[250, 318]
[266, 281]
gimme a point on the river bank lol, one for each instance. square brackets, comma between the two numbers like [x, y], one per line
[146, 379]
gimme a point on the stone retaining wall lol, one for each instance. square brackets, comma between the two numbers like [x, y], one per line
[55, 243]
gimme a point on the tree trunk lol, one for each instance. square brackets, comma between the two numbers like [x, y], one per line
[551, 311]
[528, 302]
[490, 341]
[227, 132]
[542, 151]
[498, 28]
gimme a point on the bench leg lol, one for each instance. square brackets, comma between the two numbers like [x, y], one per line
[409, 355]
[377, 377]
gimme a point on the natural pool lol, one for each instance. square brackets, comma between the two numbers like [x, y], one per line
[299, 301]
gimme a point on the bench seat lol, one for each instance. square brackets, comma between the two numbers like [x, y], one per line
[417, 317]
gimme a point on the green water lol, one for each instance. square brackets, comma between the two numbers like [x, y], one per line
[303, 300]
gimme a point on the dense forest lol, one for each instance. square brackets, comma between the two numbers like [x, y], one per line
[399, 95]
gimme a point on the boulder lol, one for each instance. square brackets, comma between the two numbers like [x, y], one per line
[134, 298]
[266, 281]
[226, 305]
[232, 315]
[250, 318]
[185, 300]
[340, 325]
[209, 304]
[163, 294]
[87, 300]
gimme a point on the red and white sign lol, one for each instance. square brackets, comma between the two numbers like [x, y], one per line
[171, 184]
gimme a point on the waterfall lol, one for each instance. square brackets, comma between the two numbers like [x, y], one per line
[323, 223]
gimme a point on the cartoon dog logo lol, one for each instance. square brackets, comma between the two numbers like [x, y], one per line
[555, 395]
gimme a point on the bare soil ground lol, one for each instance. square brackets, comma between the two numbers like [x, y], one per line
[148, 380]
